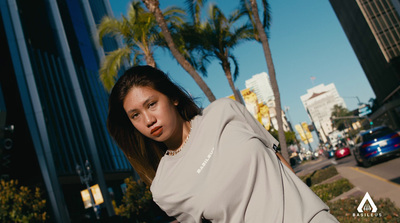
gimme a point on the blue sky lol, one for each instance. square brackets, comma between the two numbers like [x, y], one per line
[306, 40]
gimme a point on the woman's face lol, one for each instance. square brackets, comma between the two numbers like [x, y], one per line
[153, 114]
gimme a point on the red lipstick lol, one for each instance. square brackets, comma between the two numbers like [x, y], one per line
[156, 131]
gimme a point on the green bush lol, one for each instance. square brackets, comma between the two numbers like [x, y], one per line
[319, 175]
[331, 190]
[136, 202]
[20, 204]
[138, 205]
[344, 210]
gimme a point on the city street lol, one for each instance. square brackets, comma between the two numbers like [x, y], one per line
[388, 169]
[381, 180]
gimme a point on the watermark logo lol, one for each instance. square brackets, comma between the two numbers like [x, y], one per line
[367, 208]
[364, 206]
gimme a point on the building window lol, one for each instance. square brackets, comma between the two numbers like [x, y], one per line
[384, 23]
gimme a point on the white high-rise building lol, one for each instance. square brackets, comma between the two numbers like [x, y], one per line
[319, 102]
[261, 86]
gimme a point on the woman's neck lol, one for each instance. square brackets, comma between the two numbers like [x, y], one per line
[182, 136]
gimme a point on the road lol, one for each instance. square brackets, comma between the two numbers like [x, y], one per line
[387, 169]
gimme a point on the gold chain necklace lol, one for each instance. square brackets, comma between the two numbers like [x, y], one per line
[174, 152]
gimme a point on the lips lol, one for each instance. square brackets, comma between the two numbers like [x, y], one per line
[156, 131]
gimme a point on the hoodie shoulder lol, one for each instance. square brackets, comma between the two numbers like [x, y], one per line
[221, 104]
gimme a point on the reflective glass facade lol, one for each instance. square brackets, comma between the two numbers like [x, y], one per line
[373, 30]
[384, 23]
[51, 86]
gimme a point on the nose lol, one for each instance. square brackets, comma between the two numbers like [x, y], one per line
[150, 119]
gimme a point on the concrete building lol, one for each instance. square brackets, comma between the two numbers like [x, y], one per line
[319, 102]
[373, 30]
[51, 93]
[261, 86]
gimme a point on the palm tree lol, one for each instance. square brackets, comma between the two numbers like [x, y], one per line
[140, 35]
[339, 111]
[187, 37]
[246, 9]
[194, 8]
[218, 37]
[154, 7]
[261, 35]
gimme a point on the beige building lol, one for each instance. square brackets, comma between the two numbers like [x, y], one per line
[319, 102]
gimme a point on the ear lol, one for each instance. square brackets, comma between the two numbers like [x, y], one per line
[175, 102]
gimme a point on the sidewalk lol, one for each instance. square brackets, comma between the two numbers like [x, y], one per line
[364, 182]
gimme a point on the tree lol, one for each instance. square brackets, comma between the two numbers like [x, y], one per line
[260, 35]
[218, 36]
[140, 35]
[153, 6]
[339, 111]
[374, 104]
[289, 135]
[137, 204]
[187, 37]
[20, 204]
[290, 138]
[194, 8]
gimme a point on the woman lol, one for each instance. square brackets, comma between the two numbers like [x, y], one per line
[218, 164]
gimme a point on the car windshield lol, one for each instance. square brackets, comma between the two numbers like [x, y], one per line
[376, 134]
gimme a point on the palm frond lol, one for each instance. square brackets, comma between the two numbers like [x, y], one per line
[266, 15]
[245, 8]
[236, 63]
[111, 65]
[234, 16]
[108, 25]
[174, 15]
[194, 8]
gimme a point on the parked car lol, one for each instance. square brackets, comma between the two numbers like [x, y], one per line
[342, 152]
[376, 143]
[294, 160]
[329, 153]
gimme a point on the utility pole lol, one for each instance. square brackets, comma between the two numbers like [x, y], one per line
[359, 102]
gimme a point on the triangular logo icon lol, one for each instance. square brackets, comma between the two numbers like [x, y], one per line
[367, 207]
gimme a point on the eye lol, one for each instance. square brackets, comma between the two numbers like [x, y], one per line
[134, 115]
[152, 104]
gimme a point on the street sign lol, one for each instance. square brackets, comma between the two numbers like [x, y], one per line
[97, 196]
[304, 133]
[364, 110]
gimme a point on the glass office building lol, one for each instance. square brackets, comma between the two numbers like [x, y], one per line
[373, 30]
[52, 95]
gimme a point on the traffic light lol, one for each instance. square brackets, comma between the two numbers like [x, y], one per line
[371, 123]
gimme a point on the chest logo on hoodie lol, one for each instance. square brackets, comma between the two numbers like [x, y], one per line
[205, 161]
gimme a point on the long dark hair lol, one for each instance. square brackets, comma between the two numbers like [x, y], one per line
[143, 153]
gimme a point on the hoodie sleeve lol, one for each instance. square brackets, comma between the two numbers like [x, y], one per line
[231, 110]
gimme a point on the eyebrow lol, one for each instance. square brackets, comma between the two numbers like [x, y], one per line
[144, 103]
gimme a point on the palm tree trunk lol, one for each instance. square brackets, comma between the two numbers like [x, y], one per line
[274, 83]
[153, 6]
[227, 69]
[150, 60]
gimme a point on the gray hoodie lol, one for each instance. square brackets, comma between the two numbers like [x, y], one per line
[227, 172]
